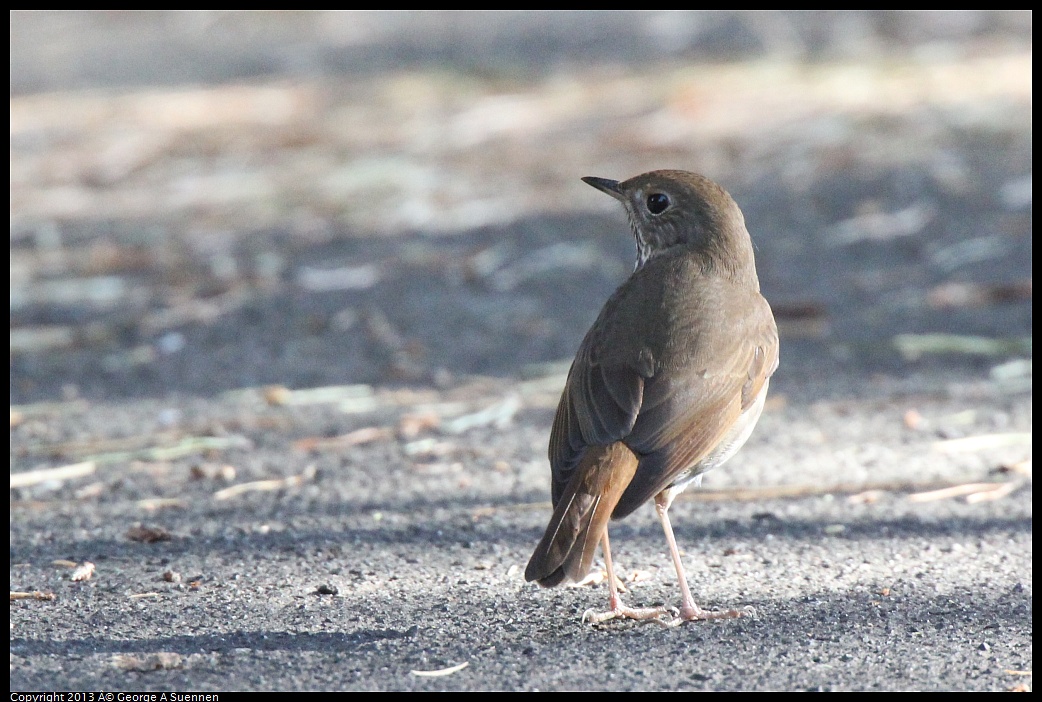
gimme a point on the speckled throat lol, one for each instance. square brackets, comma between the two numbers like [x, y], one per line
[644, 249]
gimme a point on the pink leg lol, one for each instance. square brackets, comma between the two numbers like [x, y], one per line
[689, 611]
[616, 609]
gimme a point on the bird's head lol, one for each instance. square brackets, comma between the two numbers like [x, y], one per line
[668, 209]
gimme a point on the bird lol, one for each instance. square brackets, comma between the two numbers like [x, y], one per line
[667, 384]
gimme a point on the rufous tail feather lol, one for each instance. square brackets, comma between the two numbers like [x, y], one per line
[580, 517]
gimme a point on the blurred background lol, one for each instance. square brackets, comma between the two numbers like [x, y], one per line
[294, 294]
[207, 201]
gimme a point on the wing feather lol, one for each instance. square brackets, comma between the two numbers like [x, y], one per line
[671, 403]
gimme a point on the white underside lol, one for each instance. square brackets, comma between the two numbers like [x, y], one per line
[734, 440]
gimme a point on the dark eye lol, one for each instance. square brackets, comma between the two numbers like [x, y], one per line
[657, 203]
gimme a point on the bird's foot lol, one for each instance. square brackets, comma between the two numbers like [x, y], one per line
[694, 613]
[620, 611]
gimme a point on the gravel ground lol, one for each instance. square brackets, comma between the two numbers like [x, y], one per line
[293, 295]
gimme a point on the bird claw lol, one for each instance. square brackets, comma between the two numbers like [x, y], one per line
[593, 616]
[697, 614]
[621, 612]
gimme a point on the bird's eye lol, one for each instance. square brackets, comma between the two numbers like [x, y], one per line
[657, 203]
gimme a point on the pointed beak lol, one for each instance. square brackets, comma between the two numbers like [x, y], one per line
[605, 186]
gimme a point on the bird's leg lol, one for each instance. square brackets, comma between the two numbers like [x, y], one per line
[689, 611]
[616, 609]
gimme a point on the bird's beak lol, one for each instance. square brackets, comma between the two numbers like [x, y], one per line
[605, 186]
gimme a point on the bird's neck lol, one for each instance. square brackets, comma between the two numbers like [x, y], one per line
[734, 261]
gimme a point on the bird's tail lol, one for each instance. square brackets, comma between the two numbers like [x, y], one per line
[566, 550]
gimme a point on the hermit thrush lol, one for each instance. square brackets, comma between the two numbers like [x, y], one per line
[668, 382]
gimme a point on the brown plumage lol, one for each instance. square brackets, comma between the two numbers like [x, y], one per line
[669, 381]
